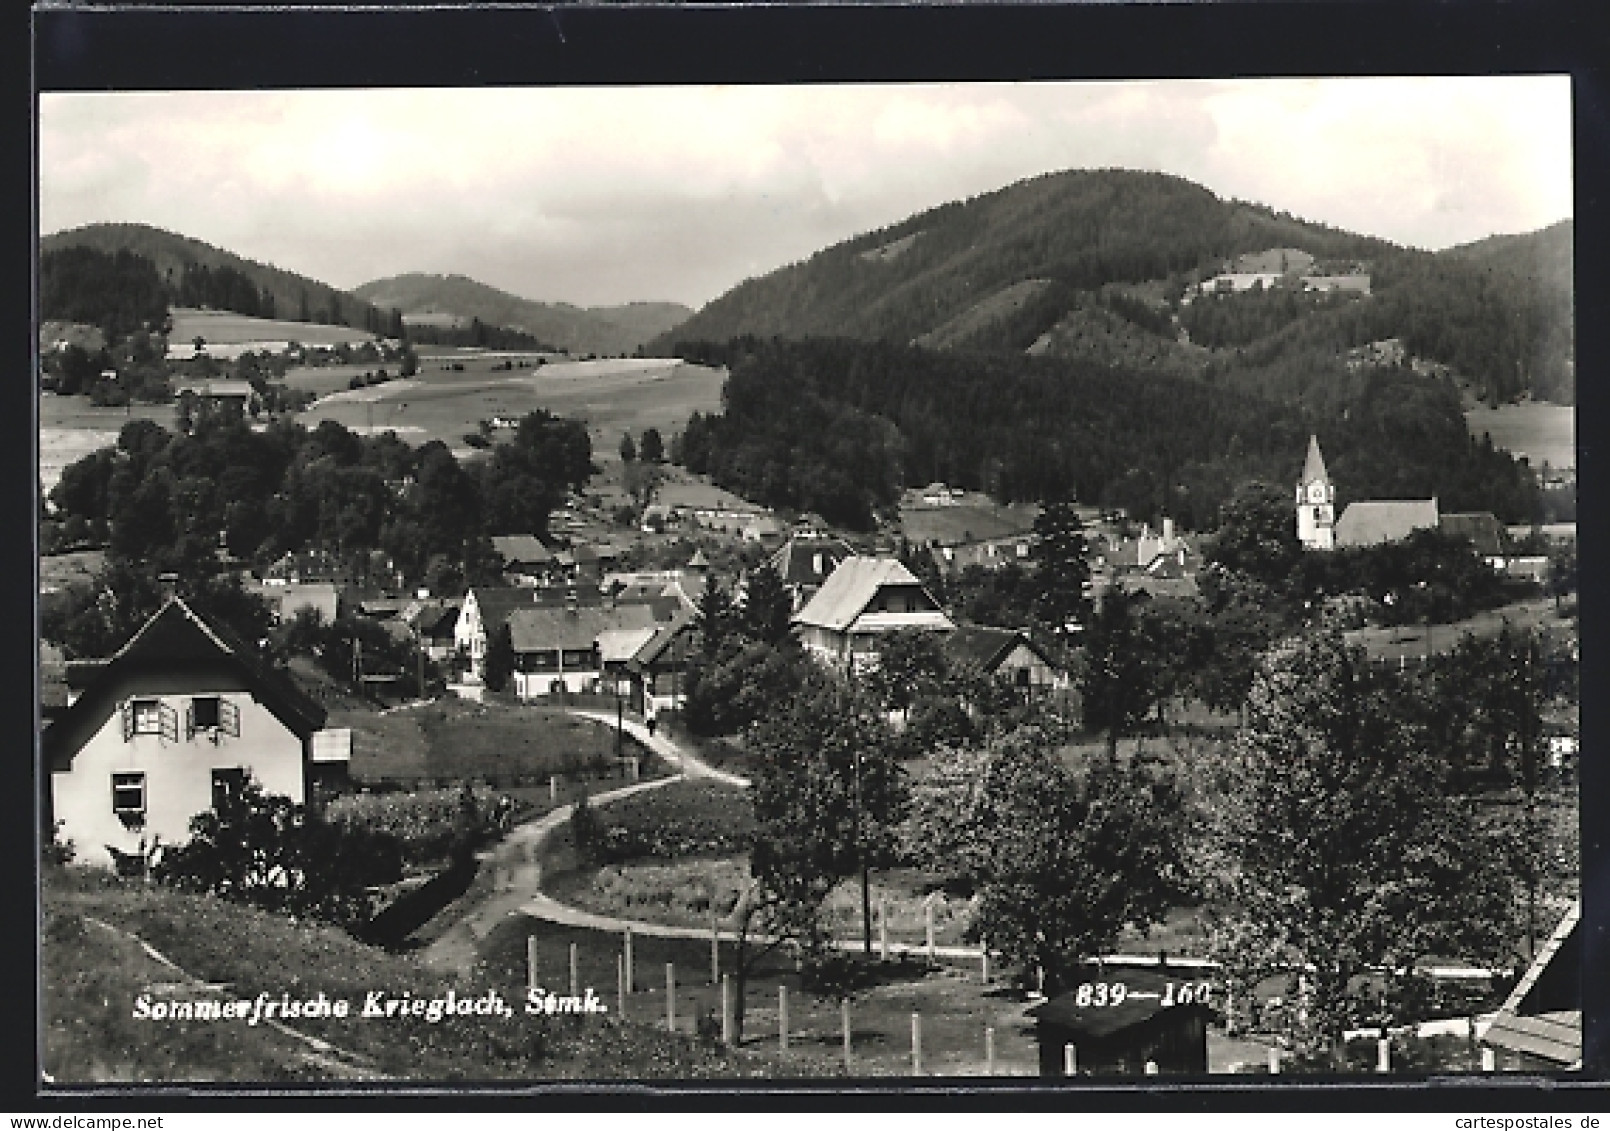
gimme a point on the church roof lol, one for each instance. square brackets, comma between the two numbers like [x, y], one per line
[1371, 522]
[1314, 465]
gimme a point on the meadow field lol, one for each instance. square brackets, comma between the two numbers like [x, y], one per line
[613, 396]
[224, 327]
[1540, 431]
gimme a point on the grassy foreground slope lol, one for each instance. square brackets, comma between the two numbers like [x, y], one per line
[93, 976]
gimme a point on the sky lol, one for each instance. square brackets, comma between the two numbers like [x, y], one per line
[597, 196]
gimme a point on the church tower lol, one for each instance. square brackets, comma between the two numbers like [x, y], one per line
[1316, 502]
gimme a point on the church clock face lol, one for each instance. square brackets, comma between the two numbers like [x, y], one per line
[1316, 492]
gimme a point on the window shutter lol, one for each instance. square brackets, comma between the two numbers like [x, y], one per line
[229, 718]
[128, 719]
[170, 723]
[189, 722]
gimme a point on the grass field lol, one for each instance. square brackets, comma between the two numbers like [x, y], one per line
[225, 327]
[960, 524]
[1540, 431]
[1412, 642]
[453, 739]
[612, 396]
[70, 428]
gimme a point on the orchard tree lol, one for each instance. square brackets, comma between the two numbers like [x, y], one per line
[1257, 536]
[628, 448]
[767, 609]
[1123, 671]
[1067, 860]
[1340, 849]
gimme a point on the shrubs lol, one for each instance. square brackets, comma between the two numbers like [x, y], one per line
[265, 850]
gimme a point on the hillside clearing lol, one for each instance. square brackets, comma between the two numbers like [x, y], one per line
[223, 327]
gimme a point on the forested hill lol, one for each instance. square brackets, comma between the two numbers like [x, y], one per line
[839, 426]
[274, 292]
[1100, 265]
[604, 330]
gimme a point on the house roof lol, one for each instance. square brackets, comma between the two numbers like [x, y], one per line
[1145, 987]
[321, 596]
[219, 387]
[982, 648]
[795, 559]
[656, 646]
[176, 638]
[1555, 1037]
[1182, 588]
[848, 590]
[618, 645]
[1314, 465]
[1480, 528]
[1374, 521]
[522, 549]
[544, 629]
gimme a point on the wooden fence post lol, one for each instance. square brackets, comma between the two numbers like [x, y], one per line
[1383, 1053]
[726, 1009]
[715, 948]
[630, 983]
[1274, 1062]
[670, 997]
[989, 1050]
[1489, 1060]
[916, 1044]
[1151, 1068]
[782, 1018]
[1070, 1060]
[883, 928]
[553, 789]
[620, 986]
[575, 973]
[983, 962]
[928, 925]
[844, 1024]
[531, 962]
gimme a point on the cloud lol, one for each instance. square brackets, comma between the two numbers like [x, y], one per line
[601, 195]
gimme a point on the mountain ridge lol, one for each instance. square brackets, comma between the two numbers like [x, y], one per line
[621, 328]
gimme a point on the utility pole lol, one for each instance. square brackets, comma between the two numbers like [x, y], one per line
[1529, 784]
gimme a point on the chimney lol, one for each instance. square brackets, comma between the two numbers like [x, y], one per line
[1168, 530]
[169, 583]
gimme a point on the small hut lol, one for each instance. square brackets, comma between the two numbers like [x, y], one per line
[1121, 1018]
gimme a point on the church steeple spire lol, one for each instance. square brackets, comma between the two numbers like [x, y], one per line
[1314, 465]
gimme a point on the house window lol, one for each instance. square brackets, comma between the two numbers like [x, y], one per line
[204, 711]
[227, 785]
[147, 716]
[128, 796]
[1021, 676]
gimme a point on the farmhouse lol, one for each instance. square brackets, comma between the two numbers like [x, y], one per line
[862, 600]
[993, 553]
[217, 392]
[1005, 655]
[526, 561]
[659, 668]
[572, 649]
[432, 622]
[168, 726]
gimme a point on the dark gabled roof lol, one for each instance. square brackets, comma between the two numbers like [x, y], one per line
[795, 560]
[541, 629]
[521, 549]
[176, 637]
[1145, 988]
[1480, 528]
[983, 649]
[684, 621]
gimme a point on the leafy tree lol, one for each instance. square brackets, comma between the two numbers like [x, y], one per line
[910, 663]
[1257, 536]
[1340, 848]
[715, 617]
[1123, 675]
[628, 448]
[829, 794]
[1061, 571]
[499, 658]
[1068, 861]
